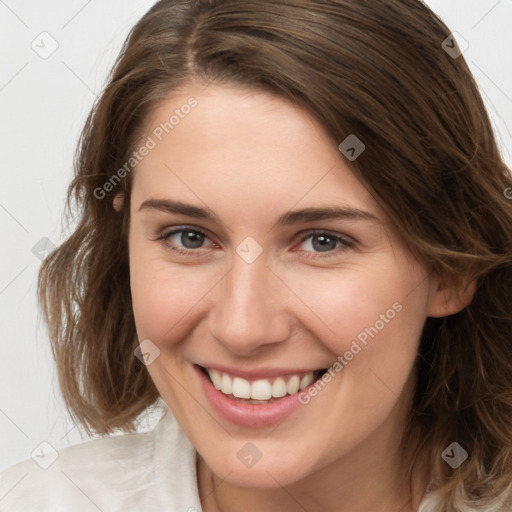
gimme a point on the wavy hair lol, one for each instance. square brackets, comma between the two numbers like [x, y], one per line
[374, 69]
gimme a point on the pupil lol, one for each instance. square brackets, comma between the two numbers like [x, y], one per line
[191, 239]
[324, 243]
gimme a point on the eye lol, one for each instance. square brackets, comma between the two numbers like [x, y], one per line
[325, 242]
[184, 239]
[188, 240]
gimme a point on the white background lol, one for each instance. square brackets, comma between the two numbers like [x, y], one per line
[43, 104]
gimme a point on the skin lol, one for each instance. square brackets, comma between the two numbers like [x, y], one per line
[250, 156]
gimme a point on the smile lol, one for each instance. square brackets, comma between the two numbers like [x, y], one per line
[276, 393]
[262, 391]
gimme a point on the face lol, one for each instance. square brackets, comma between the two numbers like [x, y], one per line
[256, 253]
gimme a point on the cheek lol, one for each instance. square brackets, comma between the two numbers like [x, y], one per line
[380, 301]
[161, 300]
[164, 295]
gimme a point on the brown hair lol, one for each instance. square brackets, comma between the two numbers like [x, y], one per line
[373, 69]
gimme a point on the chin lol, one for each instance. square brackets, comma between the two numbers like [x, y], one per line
[270, 474]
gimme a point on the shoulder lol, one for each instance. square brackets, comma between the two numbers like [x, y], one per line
[123, 472]
[78, 475]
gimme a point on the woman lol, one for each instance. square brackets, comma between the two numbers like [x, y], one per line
[294, 237]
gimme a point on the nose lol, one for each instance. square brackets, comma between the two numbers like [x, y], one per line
[249, 310]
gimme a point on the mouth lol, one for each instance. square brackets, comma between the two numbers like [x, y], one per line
[261, 391]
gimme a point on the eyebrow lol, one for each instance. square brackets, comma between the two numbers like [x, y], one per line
[292, 217]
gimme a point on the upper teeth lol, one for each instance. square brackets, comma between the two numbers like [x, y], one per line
[262, 389]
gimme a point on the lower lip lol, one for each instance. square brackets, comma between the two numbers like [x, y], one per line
[245, 414]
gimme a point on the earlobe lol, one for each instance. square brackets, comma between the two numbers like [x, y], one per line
[118, 201]
[451, 297]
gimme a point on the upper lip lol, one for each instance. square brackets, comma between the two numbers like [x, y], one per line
[262, 373]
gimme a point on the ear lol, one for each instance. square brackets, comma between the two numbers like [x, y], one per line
[451, 296]
[118, 201]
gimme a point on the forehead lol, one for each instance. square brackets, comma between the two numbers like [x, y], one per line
[243, 147]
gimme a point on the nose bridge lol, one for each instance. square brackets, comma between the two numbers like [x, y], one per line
[248, 312]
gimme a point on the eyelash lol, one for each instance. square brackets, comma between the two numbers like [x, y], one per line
[346, 244]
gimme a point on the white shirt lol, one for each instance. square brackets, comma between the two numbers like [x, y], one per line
[143, 472]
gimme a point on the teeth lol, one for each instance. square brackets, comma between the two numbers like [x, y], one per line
[293, 385]
[216, 379]
[306, 380]
[226, 385]
[241, 388]
[279, 387]
[262, 389]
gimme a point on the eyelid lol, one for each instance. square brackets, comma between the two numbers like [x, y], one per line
[345, 238]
